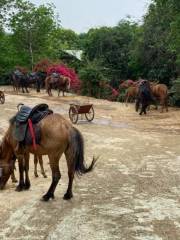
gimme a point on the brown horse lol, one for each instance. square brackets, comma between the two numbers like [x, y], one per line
[58, 136]
[59, 82]
[131, 93]
[160, 92]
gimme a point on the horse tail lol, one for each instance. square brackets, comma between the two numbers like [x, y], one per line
[76, 146]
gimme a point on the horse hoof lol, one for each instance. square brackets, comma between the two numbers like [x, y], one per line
[19, 188]
[67, 196]
[1, 187]
[46, 197]
[27, 186]
[45, 176]
[36, 175]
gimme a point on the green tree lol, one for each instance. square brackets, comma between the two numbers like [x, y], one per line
[112, 47]
[31, 27]
[157, 56]
[62, 39]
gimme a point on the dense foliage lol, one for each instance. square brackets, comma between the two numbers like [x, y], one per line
[129, 50]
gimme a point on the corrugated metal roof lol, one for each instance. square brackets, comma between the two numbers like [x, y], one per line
[75, 53]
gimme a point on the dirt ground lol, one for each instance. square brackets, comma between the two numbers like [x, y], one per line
[132, 194]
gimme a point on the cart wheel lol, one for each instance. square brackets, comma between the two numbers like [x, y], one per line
[2, 98]
[90, 115]
[73, 114]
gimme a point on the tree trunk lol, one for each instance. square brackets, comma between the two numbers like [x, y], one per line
[31, 53]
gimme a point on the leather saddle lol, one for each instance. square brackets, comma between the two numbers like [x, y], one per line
[21, 131]
[54, 78]
[33, 75]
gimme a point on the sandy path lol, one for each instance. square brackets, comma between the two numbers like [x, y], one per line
[132, 194]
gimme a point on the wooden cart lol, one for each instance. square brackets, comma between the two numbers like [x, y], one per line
[2, 97]
[76, 109]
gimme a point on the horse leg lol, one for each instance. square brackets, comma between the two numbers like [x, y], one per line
[23, 90]
[27, 181]
[38, 85]
[13, 178]
[27, 91]
[56, 175]
[126, 98]
[42, 167]
[142, 109]
[71, 170]
[49, 92]
[145, 107]
[162, 105]
[21, 174]
[137, 104]
[26, 87]
[166, 104]
[35, 165]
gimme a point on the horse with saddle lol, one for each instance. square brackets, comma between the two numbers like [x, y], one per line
[23, 80]
[57, 81]
[41, 132]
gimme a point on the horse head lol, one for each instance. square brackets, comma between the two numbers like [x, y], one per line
[6, 155]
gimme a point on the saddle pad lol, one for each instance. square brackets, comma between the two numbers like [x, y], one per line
[23, 114]
[19, 131]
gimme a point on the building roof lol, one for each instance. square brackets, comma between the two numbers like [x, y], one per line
[76, 53]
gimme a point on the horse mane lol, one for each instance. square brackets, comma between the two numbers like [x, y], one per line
[3, 144]
[12, 120]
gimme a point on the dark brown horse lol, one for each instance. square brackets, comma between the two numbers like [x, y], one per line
[19, 80]
[58, 136]
[144, 97]
[23, 80]
[59, 82]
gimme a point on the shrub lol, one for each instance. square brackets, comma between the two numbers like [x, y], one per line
[175, 93]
